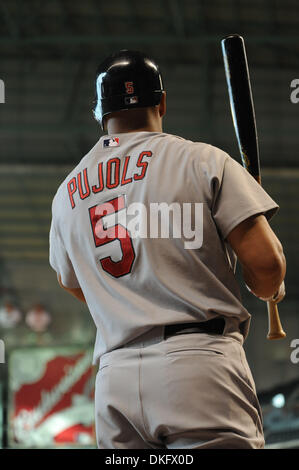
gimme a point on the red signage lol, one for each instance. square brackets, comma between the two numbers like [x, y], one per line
[51, 397]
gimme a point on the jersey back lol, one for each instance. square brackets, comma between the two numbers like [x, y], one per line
[140, 226]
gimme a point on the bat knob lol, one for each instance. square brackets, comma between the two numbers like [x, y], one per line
[277, 335]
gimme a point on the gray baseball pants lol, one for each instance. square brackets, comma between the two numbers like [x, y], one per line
[190, 391]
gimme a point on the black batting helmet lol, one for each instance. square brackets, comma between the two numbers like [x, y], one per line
[126, 80]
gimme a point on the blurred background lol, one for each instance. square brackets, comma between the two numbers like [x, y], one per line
[49, 51]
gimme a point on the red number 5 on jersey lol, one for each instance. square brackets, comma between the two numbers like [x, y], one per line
[103, 236]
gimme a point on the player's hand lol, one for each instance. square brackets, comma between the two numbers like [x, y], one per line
[276, 298]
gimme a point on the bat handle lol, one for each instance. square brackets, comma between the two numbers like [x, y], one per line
[275, 328]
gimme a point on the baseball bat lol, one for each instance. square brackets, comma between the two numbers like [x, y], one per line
[243, 115]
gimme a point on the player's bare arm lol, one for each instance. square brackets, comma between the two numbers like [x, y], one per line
[76, 292]
[261, 255]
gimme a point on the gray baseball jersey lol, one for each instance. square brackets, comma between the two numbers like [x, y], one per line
[137, 270]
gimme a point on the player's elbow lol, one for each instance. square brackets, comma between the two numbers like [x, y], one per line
[76, 292]
[273, 266]
[268, 271]
[260, 254]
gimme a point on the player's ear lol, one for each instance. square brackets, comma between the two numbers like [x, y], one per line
[104, 124]
[162, 105]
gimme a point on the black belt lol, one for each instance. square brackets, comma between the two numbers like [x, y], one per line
[214, 326]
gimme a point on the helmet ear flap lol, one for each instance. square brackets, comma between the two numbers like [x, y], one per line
[126, 80]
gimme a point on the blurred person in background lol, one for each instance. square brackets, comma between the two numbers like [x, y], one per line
[10, 316]
[38, 320]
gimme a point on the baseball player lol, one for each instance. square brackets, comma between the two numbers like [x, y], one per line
[170, 322]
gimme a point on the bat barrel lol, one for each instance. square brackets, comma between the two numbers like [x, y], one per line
[241, 101]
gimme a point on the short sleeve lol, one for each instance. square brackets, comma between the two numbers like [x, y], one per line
[237, 197]
[60, 261]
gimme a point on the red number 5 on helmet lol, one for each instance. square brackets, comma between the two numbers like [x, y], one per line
[129, 87]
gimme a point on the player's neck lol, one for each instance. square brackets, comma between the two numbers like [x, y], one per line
[116, 126]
